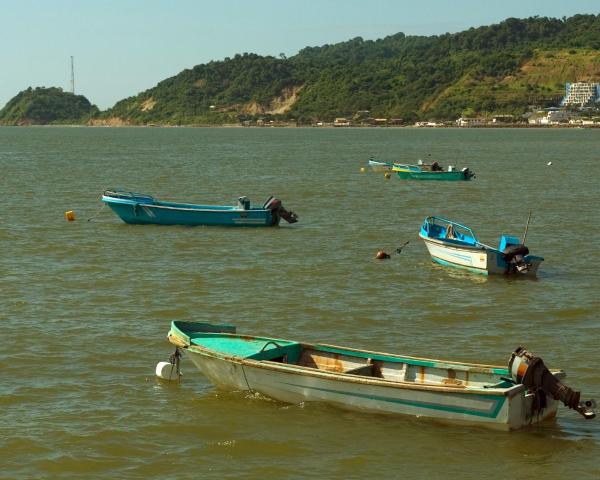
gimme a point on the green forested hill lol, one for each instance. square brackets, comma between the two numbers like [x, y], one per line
[41, 106]
[476, 71]
[233, 87]
[501, 68]
[497, 69]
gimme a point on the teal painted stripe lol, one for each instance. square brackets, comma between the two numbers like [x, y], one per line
[491, 413]
[446, 263]
[461, 256]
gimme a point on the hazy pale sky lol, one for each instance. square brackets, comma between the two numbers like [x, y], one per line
[122, 47]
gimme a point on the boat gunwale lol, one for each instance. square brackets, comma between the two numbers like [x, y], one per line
[205, 208]
[408, 168]
[484, 368]
[479, 247]
[379, 163]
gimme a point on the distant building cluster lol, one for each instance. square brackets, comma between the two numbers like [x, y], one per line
[362, 118]
[579, 96]
[581, 100]
[551, 116]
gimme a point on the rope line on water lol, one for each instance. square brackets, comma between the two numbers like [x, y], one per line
[97, 213]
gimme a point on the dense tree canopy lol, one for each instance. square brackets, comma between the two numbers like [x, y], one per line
[45, 106]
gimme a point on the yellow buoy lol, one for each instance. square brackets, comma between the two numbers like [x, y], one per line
[387, 175]
[363, 169]
[70, 215]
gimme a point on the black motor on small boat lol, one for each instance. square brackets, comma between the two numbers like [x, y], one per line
[278, 211]
[468, 173]
[514, 256]
[531, 371]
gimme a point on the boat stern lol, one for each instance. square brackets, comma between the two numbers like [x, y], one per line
[514, 257]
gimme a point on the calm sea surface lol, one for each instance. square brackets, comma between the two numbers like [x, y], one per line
[85, 306]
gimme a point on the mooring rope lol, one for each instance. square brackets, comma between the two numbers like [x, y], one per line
[97, 213]
[174, 360]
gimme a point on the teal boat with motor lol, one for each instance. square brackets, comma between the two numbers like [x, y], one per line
[138, 208]
[432, 171]
[504, 397]
[452, 244]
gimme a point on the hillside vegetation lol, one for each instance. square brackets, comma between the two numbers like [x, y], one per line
[41, 106]
[498, 69]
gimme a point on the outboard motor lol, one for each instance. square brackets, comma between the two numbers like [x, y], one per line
[530, 371]
[278, 212]
[514, 256]
[468, 173]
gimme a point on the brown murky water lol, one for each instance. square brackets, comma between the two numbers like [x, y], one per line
[85, 306]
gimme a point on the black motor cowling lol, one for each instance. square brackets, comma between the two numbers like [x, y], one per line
[278, 212]
[468, 173]
[531, 371]
[514, 256]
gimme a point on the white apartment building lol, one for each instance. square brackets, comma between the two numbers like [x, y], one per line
[581, 94]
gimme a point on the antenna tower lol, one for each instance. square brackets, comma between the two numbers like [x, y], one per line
[72, 77]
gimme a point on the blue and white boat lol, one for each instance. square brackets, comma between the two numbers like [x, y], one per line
[501, 397]
[455, 245]
[138, 208]
[378, 166]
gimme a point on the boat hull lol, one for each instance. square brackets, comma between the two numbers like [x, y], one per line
[443, 176]
[293, 384]
[163, 213]
[476, 259]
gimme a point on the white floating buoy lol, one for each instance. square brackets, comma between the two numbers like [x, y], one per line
[167, 371]
[549, 163]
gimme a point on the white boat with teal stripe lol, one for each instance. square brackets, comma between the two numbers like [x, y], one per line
[454, 245]
[296, 372]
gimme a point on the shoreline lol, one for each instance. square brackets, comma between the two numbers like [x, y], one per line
[329, 127]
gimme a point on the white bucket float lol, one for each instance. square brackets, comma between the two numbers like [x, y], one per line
[167, 371]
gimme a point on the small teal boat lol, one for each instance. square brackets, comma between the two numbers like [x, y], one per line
[455, 245]
[138, 208]
[523, 393]
[431, 171]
